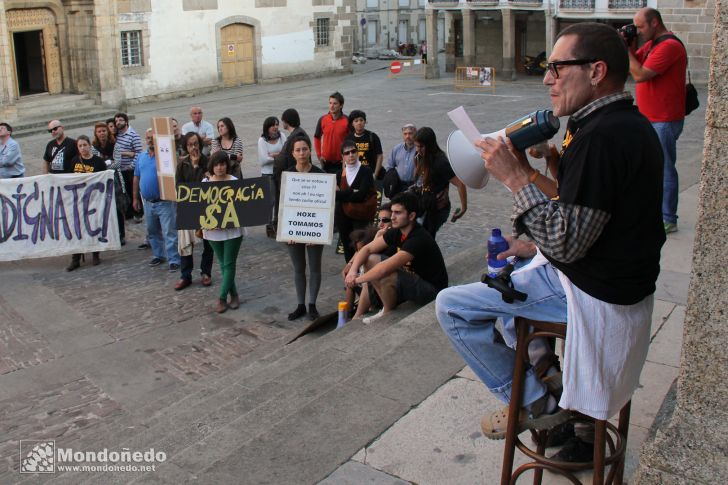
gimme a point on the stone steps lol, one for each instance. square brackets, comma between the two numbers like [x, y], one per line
[74, 111]
[269, 387]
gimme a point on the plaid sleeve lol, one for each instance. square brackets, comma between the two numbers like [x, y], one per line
[564, 232]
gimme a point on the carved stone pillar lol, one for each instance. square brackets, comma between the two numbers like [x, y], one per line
[432, 70]
[468, 37]
[509, 44]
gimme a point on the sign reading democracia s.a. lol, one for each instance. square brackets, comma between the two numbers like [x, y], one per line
[224, 205]
[57, 214]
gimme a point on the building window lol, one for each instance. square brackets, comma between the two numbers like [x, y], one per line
[404, 3]
[372, 3]
[372, 30]
[322, 32]
[131, 48]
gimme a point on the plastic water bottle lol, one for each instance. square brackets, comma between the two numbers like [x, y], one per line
[343, 314]
[496, 245]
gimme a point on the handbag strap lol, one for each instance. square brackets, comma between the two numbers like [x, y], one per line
[344, 184]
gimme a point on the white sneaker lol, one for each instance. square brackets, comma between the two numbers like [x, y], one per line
[374, 317]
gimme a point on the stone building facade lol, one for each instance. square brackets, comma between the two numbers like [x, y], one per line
[384, 24]
[501, 33]
[134, 50]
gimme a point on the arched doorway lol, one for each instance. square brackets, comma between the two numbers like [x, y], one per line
[237, 51]
[35, 51]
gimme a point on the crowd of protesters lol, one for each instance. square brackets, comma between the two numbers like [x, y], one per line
[390, 253]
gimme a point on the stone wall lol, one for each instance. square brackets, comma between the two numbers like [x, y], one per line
[692, 21]
[693, 446]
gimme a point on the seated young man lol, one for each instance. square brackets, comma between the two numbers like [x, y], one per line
[415, 271]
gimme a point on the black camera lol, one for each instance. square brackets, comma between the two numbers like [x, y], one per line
[629, 32]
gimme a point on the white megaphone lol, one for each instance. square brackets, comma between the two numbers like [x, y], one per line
[466, 161]
[526, 132]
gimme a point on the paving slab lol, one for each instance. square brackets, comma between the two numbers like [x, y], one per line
[666, 345]
[354, 473]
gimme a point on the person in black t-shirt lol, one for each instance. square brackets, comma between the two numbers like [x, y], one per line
[367, 143]
[59, 149]
[84, 162]
[416, 272]
[595, 248]
[434, 176]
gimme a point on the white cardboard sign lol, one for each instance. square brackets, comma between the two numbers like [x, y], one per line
[306, 210]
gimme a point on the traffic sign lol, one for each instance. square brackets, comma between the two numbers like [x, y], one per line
[395, 67]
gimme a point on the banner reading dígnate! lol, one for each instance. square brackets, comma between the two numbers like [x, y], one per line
[52, 215]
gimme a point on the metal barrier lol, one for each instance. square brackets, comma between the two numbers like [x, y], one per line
[403, 67]
[475, 77]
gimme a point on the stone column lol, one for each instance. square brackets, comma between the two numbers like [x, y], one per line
[106, 34]
[691, 446]
[7, 81]
[432, 70]
[449, 41]
[468, 37]
[508, 71]
[550, 31]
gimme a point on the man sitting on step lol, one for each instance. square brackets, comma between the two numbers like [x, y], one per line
[595, 246]
[416, 272]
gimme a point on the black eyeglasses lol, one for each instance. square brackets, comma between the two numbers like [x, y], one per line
[54, 129]
[349, 152]
[385, 220]
[553, 66]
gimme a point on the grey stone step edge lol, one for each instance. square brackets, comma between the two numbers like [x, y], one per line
[81, 119]
[202, 398]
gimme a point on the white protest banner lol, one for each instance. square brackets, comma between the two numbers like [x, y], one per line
[52, 215]
[306, 211]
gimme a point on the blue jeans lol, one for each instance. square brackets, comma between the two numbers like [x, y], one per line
[468, 314]
[668, 132]
[161, 218]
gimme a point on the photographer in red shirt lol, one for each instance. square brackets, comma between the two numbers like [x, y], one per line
[658, 67]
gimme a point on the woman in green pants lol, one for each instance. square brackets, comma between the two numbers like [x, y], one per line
[225, 242]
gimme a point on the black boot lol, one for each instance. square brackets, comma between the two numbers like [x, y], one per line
[297, 313]
[313, 313]
[75, 262]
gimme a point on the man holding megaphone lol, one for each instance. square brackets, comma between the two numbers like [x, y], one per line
[594, 245]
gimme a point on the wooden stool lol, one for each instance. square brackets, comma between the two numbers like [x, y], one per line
[605, 433]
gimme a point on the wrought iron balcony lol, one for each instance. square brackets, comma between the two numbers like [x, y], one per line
[627, 4]
[526, 2]
[577, 4]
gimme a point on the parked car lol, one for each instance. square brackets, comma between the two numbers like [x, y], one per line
[389, 54]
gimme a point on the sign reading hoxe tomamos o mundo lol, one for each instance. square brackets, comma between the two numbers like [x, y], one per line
[52, 215]
[224, 205]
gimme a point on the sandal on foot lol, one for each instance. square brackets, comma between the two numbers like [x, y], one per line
[494, 425]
